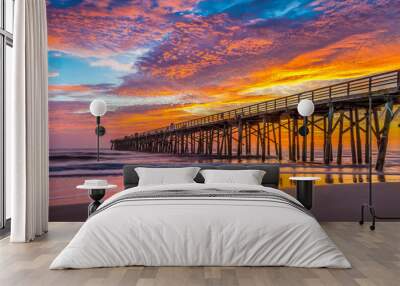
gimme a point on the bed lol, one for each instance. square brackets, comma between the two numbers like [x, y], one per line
[199, 224]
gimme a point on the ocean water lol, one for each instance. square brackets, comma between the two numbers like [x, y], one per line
[69, 168]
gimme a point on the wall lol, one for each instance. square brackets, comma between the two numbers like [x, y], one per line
[157, 62]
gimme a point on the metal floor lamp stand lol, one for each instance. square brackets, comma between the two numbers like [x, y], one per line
[98, 137]
[370, 205]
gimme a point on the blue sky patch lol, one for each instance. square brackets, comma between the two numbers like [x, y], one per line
[77, 70]
[65, 3]
[258, 9]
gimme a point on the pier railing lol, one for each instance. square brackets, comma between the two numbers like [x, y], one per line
[333, 93]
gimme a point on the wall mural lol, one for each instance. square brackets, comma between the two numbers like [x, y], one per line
[160, 62]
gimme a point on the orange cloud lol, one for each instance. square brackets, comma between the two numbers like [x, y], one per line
[70, 88]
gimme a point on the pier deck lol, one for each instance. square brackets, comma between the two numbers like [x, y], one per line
[262, 129]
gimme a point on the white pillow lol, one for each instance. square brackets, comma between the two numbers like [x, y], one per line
[248, 177]
[166, 176]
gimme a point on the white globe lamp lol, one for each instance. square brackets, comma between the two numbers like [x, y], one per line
[305, 107]
[98, 108]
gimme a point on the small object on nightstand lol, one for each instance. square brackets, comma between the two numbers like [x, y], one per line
[97, 190]
[304, 190]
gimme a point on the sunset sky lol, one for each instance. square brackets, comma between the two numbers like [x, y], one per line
[156, 62]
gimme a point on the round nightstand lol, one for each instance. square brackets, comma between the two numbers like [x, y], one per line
[96, 190]
[304, 189]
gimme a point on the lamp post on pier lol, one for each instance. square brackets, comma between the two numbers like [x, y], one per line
[98, 108]
[305, 108]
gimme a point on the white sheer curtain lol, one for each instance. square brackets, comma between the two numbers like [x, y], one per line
[28, 123]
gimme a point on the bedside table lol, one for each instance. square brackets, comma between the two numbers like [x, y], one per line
[96, 190]
[304, 189]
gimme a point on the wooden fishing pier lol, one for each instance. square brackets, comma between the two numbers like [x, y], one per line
[270, 129]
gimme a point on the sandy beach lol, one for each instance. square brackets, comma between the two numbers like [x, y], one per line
[337, 197]
[342, 202]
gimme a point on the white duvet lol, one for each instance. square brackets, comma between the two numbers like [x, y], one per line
[206, 231]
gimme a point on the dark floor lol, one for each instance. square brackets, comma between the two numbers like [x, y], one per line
[4, 232]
